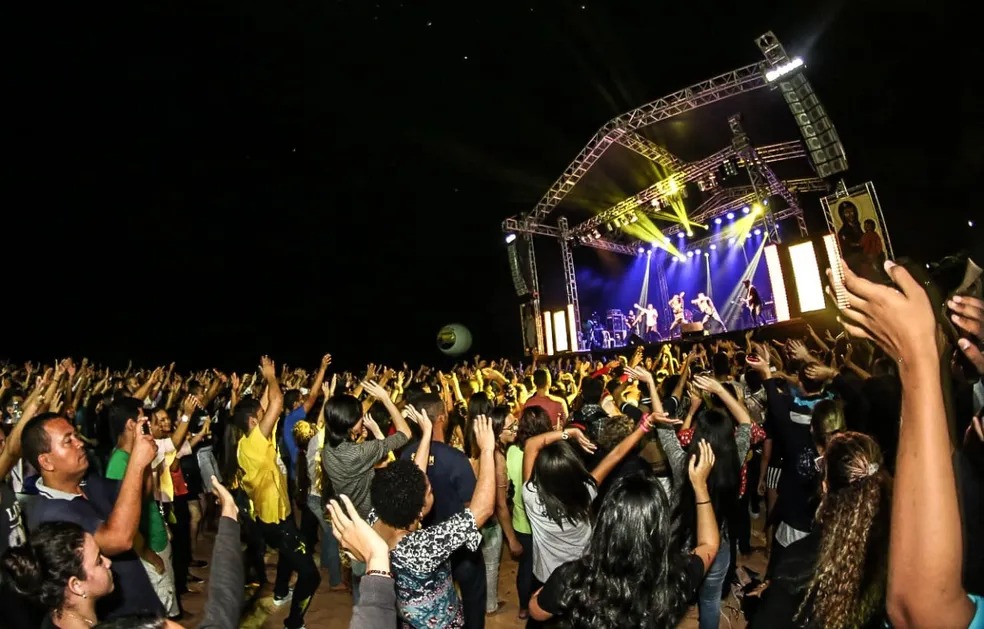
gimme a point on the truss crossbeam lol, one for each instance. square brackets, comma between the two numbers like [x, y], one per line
[581, 165]
[723, 86]
[650, 150]
[614, 247]
[659, 190]
[527, 226]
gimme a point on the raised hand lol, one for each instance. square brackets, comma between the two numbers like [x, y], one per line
[373, 389]
[700, 470]
[371, 425]
[704, 383]
[225, 499]
[484, 436]
[144, 446]
[267, 367]
[419, 417]
[581, 439]
[353, 533]
[900, 320]
[325, 361]
[820, 373]
[968, 316]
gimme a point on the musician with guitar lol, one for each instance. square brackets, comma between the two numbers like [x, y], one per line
[676, 307]
[753, 302]
[651, 318]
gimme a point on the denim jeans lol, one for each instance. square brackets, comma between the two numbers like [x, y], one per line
[492, 553]
[709, 594]
[329, 545]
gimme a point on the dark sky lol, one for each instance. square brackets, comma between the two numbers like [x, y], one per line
[206, 182]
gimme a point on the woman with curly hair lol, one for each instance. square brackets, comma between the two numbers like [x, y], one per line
[836, 577]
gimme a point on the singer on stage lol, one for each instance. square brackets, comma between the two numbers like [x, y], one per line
[707, 308]
[676, 306]
[753, 302]
[651, 319]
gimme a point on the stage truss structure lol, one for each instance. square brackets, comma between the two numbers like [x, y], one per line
[623, 130]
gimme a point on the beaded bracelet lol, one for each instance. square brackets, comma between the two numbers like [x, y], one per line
[644, 423]
[379, 573]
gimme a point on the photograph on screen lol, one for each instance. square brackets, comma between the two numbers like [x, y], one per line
[857, 220]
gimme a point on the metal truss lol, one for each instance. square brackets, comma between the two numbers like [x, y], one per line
[570, 275]
[706, 92]
[531, 252]
[650, 150]
[527, 226]
[689, 172]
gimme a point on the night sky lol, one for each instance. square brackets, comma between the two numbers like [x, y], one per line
[206, 182]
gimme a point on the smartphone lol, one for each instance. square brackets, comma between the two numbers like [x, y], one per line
[146, 428]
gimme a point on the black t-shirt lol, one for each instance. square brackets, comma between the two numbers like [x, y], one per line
[12, 531]
[451, 477]
[553, 590]
[133, 593]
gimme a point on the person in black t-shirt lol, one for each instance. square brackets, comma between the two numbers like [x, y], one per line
[632, 530]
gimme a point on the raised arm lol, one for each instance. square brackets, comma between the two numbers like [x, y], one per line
[115, 535]
[275, 397]
[533, 446]
[925, 545]
[380, 393]
[482, 503]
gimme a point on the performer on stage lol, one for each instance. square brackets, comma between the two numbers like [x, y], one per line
[753, 302]
[651, 319]
[676, 306]
[707, 308]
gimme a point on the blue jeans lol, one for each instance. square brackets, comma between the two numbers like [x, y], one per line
[709, 594]
[329, 545]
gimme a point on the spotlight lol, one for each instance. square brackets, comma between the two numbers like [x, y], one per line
[706, 255]
[717, 221]
[641, 250]
[690, 254]
[731, 216]
[680, 258]
[713, 247]
[690, 233]
[757, 232]
[681, 235]
[510, 238]
[651, 252]
[731, 240]
[746, 210]
[676, 259]
[697, 251]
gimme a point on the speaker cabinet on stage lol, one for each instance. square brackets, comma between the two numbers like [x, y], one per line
[635, 340]
[691, 330]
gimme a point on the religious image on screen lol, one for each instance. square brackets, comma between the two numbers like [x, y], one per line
[857, 221]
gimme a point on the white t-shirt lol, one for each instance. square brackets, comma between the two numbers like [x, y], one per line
[553, 544]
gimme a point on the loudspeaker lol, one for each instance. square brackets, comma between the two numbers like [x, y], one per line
[635, 340]
[691, 330]
[518, 268]
[819, 135]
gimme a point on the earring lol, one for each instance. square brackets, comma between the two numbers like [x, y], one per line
[84, 595]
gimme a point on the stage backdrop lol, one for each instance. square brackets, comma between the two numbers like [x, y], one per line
[856, 217]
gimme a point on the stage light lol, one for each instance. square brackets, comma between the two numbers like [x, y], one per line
[778, 283]
[697, 252]
[717, 221]
[678, 259]
[756, 208]
[806, 273]
[746, 210]
[548, 329]
[783, 70]
[707, 255]
[732, 240]
[970, 223]
[690, 254]
[757, 232]
[650, 252]
[681, 235]
[572, 327]
[510, 238]
[690, 233]
[713, 247]
[731, 216]
[642, 250]
[560, 331]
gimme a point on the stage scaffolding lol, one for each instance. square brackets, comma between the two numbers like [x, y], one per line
[622, 130]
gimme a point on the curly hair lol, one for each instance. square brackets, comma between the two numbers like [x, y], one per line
[614, 430]
[848, 586]
[42, 568]
[398, 492]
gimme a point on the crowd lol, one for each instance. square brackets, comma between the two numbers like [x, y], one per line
[625, 488]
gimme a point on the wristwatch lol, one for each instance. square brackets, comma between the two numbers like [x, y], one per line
[185, 419]
[564, 435]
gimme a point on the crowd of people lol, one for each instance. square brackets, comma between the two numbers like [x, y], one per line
[624, 488]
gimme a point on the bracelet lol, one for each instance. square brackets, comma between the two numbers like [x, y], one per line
[379, 573]
[644, 423]
[706, 502]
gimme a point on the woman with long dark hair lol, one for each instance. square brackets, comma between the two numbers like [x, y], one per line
[730, 445]
[635, 573]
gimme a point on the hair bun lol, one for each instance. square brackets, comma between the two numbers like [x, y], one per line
[21, 570]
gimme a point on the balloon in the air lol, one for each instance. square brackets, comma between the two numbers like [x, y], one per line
[454, 339]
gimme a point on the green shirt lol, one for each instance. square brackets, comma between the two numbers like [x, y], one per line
[152, 525]
[514, 470]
